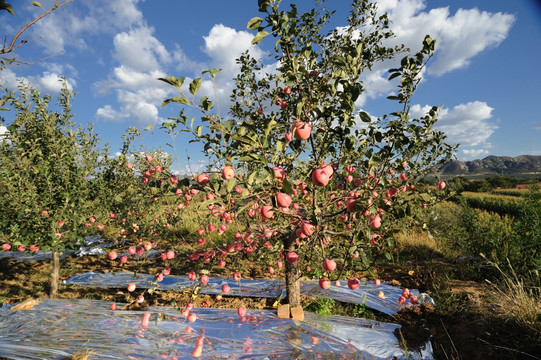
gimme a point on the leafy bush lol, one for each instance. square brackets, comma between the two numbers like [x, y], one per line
[469, 232]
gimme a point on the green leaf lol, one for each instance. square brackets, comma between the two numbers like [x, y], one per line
[364, 117]
[171, 80]
[231, 184]
[259, 37]
[35, 3]
[254, 23]
[287, 187]
[195, 85]
[298, 110]
[178, 99]
[6, 6]
[213, 72]
[251, 178]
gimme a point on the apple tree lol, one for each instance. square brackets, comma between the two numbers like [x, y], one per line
[303, 174]
[46, 164]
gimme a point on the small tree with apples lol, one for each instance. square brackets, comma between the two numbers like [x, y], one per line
[303, 175]
[45, 167]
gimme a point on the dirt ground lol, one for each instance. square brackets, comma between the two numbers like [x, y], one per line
[465, 324]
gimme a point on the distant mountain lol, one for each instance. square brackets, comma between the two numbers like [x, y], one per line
[524, 165]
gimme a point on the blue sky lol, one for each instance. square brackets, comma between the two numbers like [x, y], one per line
[485, 72]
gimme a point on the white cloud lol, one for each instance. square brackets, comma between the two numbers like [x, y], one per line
[51, 82]
[3, 130]
[224, 44]
[48, 82]
[471, 154]
[142, 58]
[465, 124]
[68, 26]
[139, 50]
[461, 36]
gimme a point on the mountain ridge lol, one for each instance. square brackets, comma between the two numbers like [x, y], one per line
[526, 165]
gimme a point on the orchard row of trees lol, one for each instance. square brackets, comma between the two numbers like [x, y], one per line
[297, 170]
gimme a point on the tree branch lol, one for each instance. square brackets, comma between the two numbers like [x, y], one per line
[12, 45]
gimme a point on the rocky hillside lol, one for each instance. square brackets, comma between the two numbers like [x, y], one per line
[527, 165]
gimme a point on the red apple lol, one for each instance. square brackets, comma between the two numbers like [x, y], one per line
[131, 287]
[6, 247]
[403, 177]
[192, 317]
[351, 205]
[236, 276]
[329, 265]
[307, 228]
[283, 200]
[228, 173]
[279, 173]
[441, 185]
[271, 270]
[112, 255]
[283, 105]
[148, 158]
[374, 221]
[292, 257]
[260, 111]
[406, 293]
[287, 90]
[267, 212]
[204, 279]
[241, 311]
[191, 276]
[112, 307]
[354, 283]
[377, 282]
[288, 137]
[320, 177]
[301, 130]
[324, 283]
[401, 300]
[226, 289]
[203, 179]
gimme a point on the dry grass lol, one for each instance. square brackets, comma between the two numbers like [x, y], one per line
[80, 355]
[517, 300]
[416, 239]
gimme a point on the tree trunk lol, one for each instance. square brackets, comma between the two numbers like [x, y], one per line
[292, 274]
[55, 274]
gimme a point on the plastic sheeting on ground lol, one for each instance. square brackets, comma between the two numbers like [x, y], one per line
[366, 294]
[89, 246]
[58, 328]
